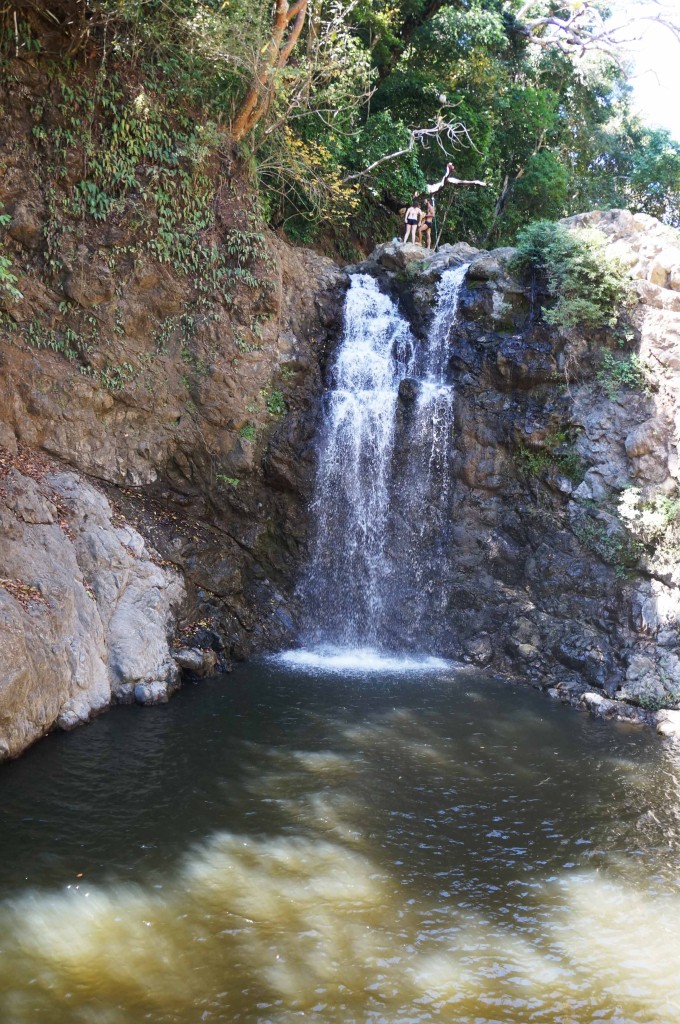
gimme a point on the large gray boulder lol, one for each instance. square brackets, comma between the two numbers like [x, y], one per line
[85, 611]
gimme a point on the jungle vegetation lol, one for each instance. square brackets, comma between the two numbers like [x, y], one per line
[342, 109]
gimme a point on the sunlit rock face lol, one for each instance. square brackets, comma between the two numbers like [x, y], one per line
[208, 480]
[557, 525]
[92, 626]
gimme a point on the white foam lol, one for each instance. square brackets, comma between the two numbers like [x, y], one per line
[358, 661]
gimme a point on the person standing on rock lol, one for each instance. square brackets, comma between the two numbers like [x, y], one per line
[425, 226]
[412, 220]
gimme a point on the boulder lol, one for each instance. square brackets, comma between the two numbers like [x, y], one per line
[398, 256]
[668, 724]
[26, 226]
[86, 612]
[195, 661]
[647, 448]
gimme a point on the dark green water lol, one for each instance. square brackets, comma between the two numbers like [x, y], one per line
[276, 846]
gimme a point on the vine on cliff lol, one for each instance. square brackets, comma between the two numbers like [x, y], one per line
[8, 279]
[129, 157]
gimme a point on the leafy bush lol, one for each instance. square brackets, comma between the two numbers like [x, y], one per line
[650, 702]
[614, 545]
[276, 403]
[629, 372]
[648, 519]
[590, 290]
[8, 280]
[141, 155]
[557, 452]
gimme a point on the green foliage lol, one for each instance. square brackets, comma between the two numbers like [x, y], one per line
[65, 343]
[613, 543]
[634, 167]
[275, 402]
[651, 702]
[589, 289]
[650, 518]
[618, 372]
[248, 432]
[543, 187]
[532, 461]
[571, 465]
[557, 452]
[551, 133]
[243, 345]
[233, 481]
[113, 377]
[8, 280]
[139, 157]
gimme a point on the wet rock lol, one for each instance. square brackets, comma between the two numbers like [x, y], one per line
[584, 651]
[409, 389]
[668, 724]
[480, 650]
[485, 268]
[153, 692]
[195, 661]
[398, 256]
[602, 707]
[523, 364]
[646, 447]
[446, 256]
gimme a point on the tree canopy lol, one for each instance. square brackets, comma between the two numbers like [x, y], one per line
[346, 108]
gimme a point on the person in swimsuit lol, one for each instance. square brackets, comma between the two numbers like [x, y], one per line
[425, 226]
[411, 220]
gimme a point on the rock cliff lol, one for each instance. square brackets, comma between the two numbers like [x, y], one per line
[158, 460]
[558, 560]
[168, 374]
[85, 610]
[208, 456]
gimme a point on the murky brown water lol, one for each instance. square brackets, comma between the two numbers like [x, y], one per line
[276, 847]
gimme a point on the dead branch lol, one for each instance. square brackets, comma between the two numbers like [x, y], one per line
[441, 132]
[580, 28]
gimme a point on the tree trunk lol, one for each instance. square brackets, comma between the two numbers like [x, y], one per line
[287, 21]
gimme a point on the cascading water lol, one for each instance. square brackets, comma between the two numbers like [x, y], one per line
[378, 469]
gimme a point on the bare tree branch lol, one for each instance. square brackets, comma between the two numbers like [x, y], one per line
[441, 132]
[577, 28]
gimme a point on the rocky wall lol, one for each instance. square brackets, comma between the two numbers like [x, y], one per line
[188, 409]
[86, 608]
[546, 563]
[179, 436]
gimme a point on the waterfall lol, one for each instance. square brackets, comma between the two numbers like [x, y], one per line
[383, 451]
